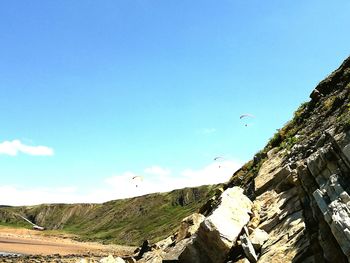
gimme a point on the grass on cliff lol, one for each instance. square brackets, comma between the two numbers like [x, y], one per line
[127, 221]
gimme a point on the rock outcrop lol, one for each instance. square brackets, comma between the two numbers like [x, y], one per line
[299, 191]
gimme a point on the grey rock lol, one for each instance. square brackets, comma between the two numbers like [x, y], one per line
[248, 248]
[189, 226]
[217, 233]
[258, 237]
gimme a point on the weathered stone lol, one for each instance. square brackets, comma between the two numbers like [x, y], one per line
[165, 243]
[258, 238]
[255, 217]
[111, 259]
[248, 249]
[272, 152]
[173, 253]
[315, 95]
[129, 259]
[346, 151]
[270, 174]
[243, 260]
[145, 247]
[219, 231]
[189, 226]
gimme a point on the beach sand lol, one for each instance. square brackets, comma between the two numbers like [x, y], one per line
[42, 244]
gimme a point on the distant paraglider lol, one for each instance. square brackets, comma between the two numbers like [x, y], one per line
[137, 180]
[246, 116]
[219, 159]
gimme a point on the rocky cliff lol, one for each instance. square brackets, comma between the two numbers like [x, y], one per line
[290, 203]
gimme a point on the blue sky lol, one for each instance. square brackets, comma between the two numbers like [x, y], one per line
[112, 89]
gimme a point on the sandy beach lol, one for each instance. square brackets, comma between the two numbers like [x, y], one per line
[37, 243]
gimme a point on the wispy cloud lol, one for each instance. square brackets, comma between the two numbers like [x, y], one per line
[160, 179]
[154, 179]
[157, 170]
[15, 195]
[14, 147]
[213, 173]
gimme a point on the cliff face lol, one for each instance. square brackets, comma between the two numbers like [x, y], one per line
[299, 186]
[303, 185]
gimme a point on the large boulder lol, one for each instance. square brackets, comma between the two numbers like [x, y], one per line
[220, 230]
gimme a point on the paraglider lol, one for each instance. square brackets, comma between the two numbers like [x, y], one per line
[219, 159]
[137, 180]
[245, 116]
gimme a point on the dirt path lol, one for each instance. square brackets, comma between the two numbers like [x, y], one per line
[25, 241]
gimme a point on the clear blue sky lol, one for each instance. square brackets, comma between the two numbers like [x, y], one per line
[116, 86]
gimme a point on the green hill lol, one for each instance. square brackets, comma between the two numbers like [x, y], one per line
[125, 221]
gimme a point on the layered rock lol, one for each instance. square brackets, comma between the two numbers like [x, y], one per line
[219, 231]
[206, 239]
[300, 214]
[299, 190]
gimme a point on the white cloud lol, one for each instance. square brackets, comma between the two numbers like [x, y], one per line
[157, 170]
[154, 179]
[14, 195]
[14, 147]
[214, 173]
[159, 179]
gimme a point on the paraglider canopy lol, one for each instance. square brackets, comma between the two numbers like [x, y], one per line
[246, 115]
[219, 159]
[137, 180]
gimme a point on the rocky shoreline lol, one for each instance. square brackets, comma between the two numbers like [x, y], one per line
[57, 258]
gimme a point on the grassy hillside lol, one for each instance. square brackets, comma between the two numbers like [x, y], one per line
[126, 221]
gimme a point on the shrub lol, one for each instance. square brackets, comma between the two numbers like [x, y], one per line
[328, 103]
[298, 114]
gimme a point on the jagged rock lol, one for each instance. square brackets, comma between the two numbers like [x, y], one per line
[281, 217]
[165, 242]
[315, 94]
[329, 166]
[151, 257]
[189, 226]
[255, 217]
[145, 247]
[248, 248]
[258, 238]
[270, 173]
[129, 260]
[272, 152]
[243, 260]
[111, 259]
[183, 251]
[218, 232]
